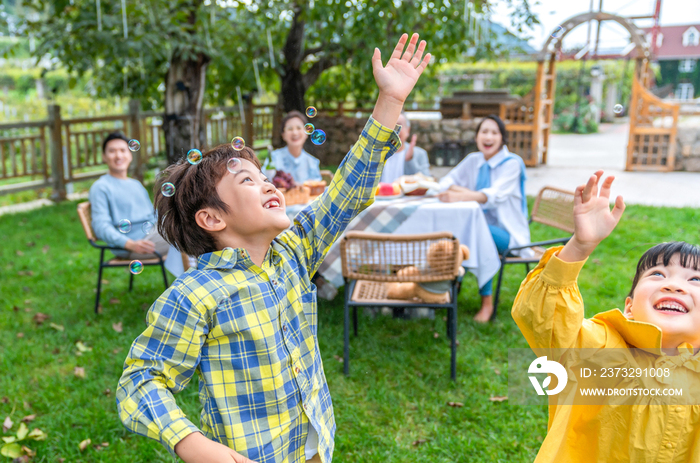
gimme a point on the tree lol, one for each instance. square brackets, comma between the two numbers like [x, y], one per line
[309, 38]
[164, 52]
[163, 43]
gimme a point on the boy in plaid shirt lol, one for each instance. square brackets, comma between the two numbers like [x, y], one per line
[245, 319]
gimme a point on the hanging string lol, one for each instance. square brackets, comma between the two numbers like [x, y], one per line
[126, 29]
[99, 16]
[270, 49]
[240, 105]
[257, 77]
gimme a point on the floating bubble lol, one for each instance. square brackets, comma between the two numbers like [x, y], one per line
[311, 111]
[618, 109]
[136, 267]
[318, 137]
[234, 165]
[221, 300]
[134, 145]
[309, 128]
[168, 189]
[124, 226]
[147, 227]
[194, 156]
[523, 108]
[227, 253]
[558, 32]
[238, 143]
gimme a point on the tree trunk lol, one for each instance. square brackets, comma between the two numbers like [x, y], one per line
[293, 90]
[184, 93]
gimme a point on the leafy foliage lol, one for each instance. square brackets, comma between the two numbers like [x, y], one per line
[333, 33]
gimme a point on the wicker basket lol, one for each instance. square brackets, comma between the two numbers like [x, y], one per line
[296, 195]
[316, 187]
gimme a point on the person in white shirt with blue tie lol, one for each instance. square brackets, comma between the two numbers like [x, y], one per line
[495, 178]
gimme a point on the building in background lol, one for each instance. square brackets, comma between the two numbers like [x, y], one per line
[678, 53]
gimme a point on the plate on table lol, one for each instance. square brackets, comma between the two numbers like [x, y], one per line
[384, 198]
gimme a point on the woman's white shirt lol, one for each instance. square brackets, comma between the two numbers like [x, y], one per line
[504, 203]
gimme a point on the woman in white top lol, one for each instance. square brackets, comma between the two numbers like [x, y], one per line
[495, 178]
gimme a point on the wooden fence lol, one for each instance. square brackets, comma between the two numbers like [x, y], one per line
[57, 151]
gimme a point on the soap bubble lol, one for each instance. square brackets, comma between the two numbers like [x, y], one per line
[168, 189]
[311, 111]
[618, 109]
[238, 143]
[234, 165]
[309, 128]
[136, 267]
[558, 32]
[194, 156]
[227, 253]
[318, 137]
[147, 227]
[134, 145]
[221, 300]
[124, 226]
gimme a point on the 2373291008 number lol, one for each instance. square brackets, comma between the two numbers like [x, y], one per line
[635, 372]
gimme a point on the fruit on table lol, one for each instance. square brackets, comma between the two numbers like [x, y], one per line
[284, 180]
[388, 189]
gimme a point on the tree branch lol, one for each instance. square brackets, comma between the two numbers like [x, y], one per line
[316, 69]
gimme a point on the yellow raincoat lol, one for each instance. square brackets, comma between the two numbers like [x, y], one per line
[549, 311]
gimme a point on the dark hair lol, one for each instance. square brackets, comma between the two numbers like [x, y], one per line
[291, 115]
[195, 189]
[661, 254]
[113, 136]
[501, 128]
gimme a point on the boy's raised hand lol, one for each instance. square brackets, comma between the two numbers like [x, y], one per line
[593, 219]
[397, 78]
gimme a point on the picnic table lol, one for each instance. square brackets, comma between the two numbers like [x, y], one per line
[421, 214]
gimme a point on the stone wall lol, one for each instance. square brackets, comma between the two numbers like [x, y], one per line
[342, 133]
[688, 148]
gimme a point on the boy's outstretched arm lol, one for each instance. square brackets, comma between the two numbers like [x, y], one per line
[320, 224]
[549, 308]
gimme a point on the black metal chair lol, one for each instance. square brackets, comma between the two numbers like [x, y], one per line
[371, 261]
[553, 207]
[86, 221]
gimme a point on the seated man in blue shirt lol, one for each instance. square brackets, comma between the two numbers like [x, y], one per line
[410, 160]
[115, 198]
[293, 159]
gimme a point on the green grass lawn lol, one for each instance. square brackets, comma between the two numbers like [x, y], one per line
[393, 408]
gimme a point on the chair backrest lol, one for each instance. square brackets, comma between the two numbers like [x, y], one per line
[86, 220]
[380, 256]
[554, 207]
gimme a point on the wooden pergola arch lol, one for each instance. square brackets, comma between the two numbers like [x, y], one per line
[652, 136]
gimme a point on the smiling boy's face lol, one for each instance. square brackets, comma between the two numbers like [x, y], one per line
[669, 297]
[256, 207]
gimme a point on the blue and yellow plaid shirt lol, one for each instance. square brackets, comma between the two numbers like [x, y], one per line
[249, 333]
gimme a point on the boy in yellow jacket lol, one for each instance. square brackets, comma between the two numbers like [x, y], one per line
[662, 311]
